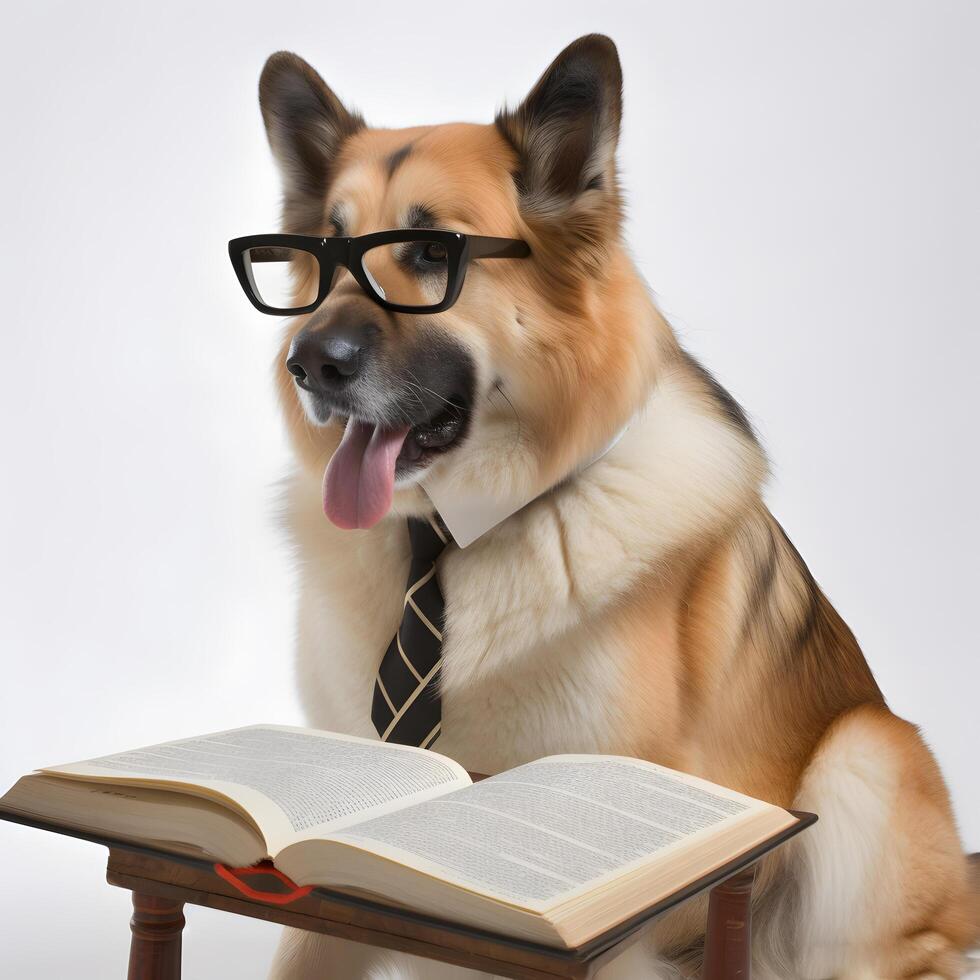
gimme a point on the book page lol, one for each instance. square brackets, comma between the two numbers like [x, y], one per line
[291, 782]
[537, 835]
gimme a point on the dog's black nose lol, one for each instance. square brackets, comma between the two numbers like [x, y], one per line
[325, 359]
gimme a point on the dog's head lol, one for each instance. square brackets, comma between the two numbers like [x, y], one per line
[539, 361]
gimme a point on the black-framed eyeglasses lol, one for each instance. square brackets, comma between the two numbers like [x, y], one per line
[406, 271]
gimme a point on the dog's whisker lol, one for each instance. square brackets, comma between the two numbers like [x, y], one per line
[517, 415]
[442, 398]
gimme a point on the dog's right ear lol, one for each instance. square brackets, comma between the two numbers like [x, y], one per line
[306, 124]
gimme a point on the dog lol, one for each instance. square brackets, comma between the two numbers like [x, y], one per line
[647, 604]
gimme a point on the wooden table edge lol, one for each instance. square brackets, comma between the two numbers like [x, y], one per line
[518, 959]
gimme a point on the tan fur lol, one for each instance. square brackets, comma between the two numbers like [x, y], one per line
[649, 605]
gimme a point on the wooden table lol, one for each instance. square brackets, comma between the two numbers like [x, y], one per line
[163, 883]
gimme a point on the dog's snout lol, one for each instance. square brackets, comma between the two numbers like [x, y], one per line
[326, 359]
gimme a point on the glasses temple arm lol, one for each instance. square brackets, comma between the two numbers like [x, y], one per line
[497, 248]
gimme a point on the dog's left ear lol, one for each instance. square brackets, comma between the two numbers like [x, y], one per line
[565, 131]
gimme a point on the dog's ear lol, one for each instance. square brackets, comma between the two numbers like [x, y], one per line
[565, 131]
[306, 124]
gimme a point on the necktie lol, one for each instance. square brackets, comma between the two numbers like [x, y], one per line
[407, 708]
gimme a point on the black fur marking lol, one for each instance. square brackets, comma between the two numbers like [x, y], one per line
[733, 411]
[811, 620]
[419, 216]
[763, 579]
[396, 159]
[809, 624]
[797, 557]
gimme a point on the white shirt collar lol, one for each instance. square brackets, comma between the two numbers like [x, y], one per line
[470, 517]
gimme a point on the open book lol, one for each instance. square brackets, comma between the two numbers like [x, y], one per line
[555, 851]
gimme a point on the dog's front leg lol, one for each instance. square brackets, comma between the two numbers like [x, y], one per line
[309, 956]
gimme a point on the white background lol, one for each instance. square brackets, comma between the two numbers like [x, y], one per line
[803, 197]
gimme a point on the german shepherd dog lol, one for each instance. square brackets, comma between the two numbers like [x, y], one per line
[646, 605]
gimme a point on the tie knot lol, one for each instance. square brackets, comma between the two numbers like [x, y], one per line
[429, 538]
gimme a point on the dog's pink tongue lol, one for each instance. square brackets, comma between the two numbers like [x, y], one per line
[360, 477]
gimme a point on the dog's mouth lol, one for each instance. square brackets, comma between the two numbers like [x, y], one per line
[359, 481]
[427, 440]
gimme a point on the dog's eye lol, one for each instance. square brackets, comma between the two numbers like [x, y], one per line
[423, 258]
[434, 252]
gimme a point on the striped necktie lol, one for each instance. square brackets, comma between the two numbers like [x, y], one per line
[407, 708]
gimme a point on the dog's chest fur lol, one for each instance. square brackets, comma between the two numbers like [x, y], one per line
[536, 656]
[510, 693]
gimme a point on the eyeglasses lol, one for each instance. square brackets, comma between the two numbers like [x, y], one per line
[406, 271]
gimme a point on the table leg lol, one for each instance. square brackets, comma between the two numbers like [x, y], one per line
[155, 950]
[728, 940]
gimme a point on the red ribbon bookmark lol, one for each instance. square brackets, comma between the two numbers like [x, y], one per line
[234, 878]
